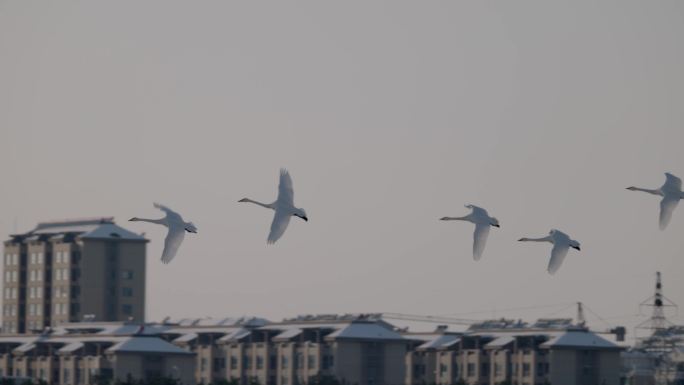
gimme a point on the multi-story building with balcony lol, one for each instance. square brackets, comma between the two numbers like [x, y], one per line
[67, 270]
[363, 350]
[505, 352]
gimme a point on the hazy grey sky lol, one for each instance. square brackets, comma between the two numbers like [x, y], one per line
[389, 115]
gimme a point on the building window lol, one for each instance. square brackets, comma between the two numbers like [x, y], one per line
[126, 274]
[233, 362]
[311, 362]
[284, 363]
[470, 370]
[219, 363]
[39, 292]
[259, 362]
[14, 293]
[15, 259]
[127, 309]
[39, 309]
[39, 260]
[32, 309]
[246, 362]
[127, 291]
[14, 276]
[58, 274]
[540, 369]
[33, 258]
[32, 292]
[484, 369]
[526, 370]
[328, 362]
[299, 361]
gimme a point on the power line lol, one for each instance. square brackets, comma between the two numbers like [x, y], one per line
[566, 304]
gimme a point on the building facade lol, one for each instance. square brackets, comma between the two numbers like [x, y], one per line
[512, 353]
[70, 270]
[354, 350]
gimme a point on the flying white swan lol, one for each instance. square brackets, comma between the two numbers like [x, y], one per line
[561, 244]
[671, 192]
[283, 206]
[177, 228]
[482, 221]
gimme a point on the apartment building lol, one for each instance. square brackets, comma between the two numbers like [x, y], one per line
[91, 353]
[506, 352]
[66, 270]
[355, 350]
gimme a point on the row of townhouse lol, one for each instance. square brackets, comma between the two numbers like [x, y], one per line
[548, 352]
[363, 350]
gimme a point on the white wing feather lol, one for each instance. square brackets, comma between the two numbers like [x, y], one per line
[558, 254]
[667, 207]
[172, 242]
[285, 190]
[479, 240]
[170, 214]
[672, 182]
[280, 221]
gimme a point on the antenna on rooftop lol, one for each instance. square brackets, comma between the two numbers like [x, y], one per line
[581, 321]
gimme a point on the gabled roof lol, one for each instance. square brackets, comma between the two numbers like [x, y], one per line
[500, 342]
[146, 345]
[111, 231]
[89, 228]
[365, 331]
[186, 338]
[72, 347]
[27, 347]
[441, 341]
[235, 335]
[70, 226]
[575, 339]
[288, 334]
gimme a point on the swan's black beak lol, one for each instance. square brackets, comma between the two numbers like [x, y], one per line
[191, 231]
[496, 225]
[132, 219]
[576, 248]
[305, 219]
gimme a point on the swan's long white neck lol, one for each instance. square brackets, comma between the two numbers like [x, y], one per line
[267, 205]
[465, 218]
[654, 192]
[161, 221]
[543, 239]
